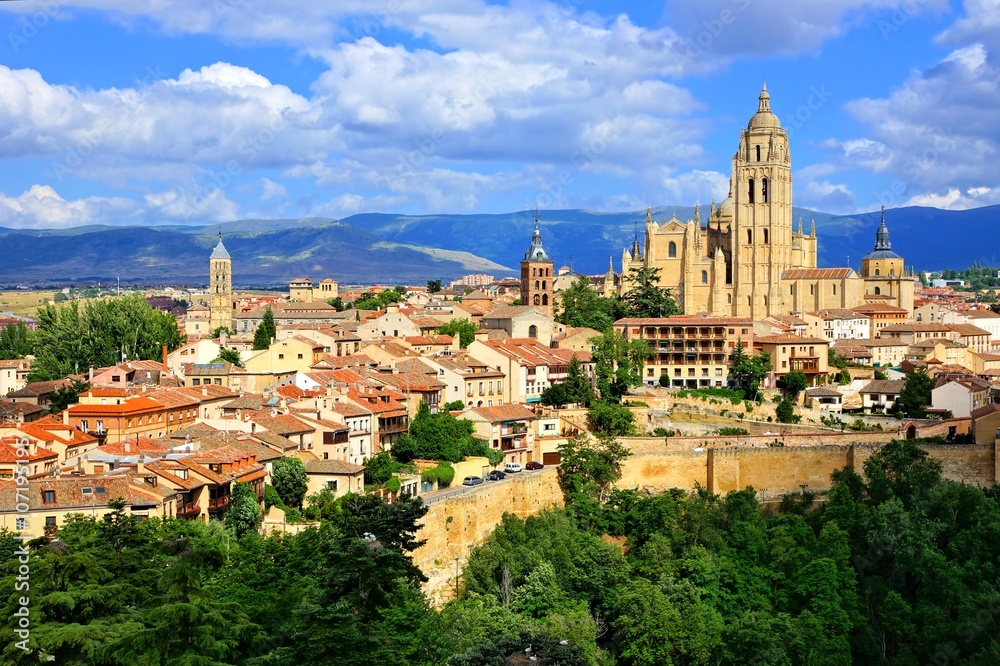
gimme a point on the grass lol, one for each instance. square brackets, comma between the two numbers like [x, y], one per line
[24, 303]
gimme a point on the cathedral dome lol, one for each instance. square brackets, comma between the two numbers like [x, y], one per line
[725, 208]
[764, 118]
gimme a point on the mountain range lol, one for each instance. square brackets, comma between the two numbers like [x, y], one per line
[389, 248]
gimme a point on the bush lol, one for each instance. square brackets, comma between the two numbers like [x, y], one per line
[663, 432]
[443, 474]
[272, 498]
[290, 480]
[610, 419]
[734, 395]
[785, 411]
[748, 406]
[664, 380]
[730, 431]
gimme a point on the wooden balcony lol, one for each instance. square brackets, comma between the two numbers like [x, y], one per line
[189, 510]
[218, 503]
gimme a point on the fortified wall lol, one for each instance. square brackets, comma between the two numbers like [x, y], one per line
[454, 525]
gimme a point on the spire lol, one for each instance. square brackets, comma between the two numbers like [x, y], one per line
[220, 251]
[764, 100]
[800, 225]
[697, 213]
[882, 235]
[635, 237]
[649, 214]
[812, 229]
[611, 266]
[536, 252]
[711, 212]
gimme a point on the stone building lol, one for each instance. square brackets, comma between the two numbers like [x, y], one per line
[222, 307]
[537, 275]
[745, 259]
[304, 291]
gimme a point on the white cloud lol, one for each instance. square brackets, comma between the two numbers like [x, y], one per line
[955, 199]
[826, 196]
[41, 207]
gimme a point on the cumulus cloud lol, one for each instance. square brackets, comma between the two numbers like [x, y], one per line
[41, 207]
[826, 196]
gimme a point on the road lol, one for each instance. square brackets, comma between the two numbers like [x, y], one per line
[438, 495]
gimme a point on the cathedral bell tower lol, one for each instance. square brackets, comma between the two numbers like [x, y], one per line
[762, 215]
[220, 287]
[536, 275]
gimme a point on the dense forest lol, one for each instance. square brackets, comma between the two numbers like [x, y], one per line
[898, 567]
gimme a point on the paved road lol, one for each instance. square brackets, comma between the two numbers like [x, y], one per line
[438, 495]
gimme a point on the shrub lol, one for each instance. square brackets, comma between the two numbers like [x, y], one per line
[730, 431]
[663, 432]
[785, 411]
[443, 474]
[664, 380]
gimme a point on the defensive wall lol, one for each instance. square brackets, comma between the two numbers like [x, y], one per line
[454, 525]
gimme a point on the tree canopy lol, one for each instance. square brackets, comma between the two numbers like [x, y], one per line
[575, 389]
[581, 306]
[289, 478]
[916, 395]
[15, 341]
[372, 301]
[646, 298]
[266, 331]
[747, 371]
[463, 328]
[71, 338]
[618, 364]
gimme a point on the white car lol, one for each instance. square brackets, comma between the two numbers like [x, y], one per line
[512, 467]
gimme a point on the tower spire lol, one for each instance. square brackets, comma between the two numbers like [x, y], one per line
[882, 235]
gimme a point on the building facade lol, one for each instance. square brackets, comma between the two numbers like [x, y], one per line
[221, 307]
[747, 261]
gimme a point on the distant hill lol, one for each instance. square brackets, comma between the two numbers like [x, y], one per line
[376, 247]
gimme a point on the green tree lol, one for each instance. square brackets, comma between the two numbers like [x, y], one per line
[453, 406]
[71, 338]
[243, 515]
[793, 383]
[433, 286]
[785, 411]
[217, 333]
[289, 478]
[747, 371]
[574, 389]
[581, 306]
[618, 364]
[589, 467]
[337, 304]
[437, 436]
[646, 298]
[266, 331]
[463, 328]
[67, 395]
[916, 394]
[15, 341]
[881, 375]
[227, 355]
[610, 419]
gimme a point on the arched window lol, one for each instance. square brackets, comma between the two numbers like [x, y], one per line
[534, 272]
[750, 191]
[763, 191]
[537, 300]
[545, 299]
[729, 299]
[750, 236]
[877, 272]
[672, 250]
[532, 331]
[758, 153]
[537, 283]
[544, 285]
[878, 291]
[704, 277]
[892, 272]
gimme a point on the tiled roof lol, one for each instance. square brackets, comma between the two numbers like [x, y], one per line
[884, 386]
[985, 410]
[349, 409]
[275, 440]
[69, 491]
[915, 328]
[333, 467]
[36, 389]
[788, 339]
[411, 381]
[8, 453]
[876, 307]
[282, 424]
[194, 431]
[817, 273]
[511, 311]
[686, 320]
[824, 392]
[514, 412]
[135, 447]
[967, 330]
[531, 353]
[139, 405]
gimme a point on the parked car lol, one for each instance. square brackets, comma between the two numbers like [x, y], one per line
[496, 475]
[534, 464]
[472, 481]
[512, 467]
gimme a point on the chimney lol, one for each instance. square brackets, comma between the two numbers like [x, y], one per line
[90, 376]
[65, 416]
[204, 392]
[126, 446]
[166, 368]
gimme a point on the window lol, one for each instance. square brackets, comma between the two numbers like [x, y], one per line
[281, 356]
[834, 290]
[758, 153]
[763, 198]
[300, 355]
[767, 238]
[533, 330]
[672, 250]
[878, 290]
[704, 277]
[729, 299]
[812, 289]
[332, 485]
[21, 523]
[876, 272]
[750, 236]
[48, 497]
[218, 381]
[750, 191]
[50, 521]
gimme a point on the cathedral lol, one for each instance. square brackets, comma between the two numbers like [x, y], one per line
[745, 259]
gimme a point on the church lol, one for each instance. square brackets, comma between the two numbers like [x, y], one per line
[745, 259]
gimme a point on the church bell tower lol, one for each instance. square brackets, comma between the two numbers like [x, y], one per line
[536, 275]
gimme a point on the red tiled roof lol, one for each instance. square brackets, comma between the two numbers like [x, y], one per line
[514, 412]
[816, 273]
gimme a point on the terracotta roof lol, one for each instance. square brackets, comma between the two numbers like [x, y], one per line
[275, 440]
[788, 339]
[8, 453]
[69, 491]
[349, 409]
[884, 386]
[138, 405]
[281, 424]
[36, 389]
[823, 391]
[411, 381]
[915, 328]
[838, 313]
[532, 353]
[876, 307]
[135, 447]
[817, 273]
[333, 467]
[967, 330]
[513, 412]
[686, 320]
[985, 410]
[194, 431]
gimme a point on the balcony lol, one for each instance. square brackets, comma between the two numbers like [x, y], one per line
[513, 444]
[513, 431]
[218, 503]
[189, 510]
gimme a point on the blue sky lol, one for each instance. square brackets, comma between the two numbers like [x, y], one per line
[123, 112]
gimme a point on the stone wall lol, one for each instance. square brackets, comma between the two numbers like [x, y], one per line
[453, 526]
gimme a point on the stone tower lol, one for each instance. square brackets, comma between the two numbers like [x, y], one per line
[536, 275]
[762, 214]
[220, 287]
[882, 261]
